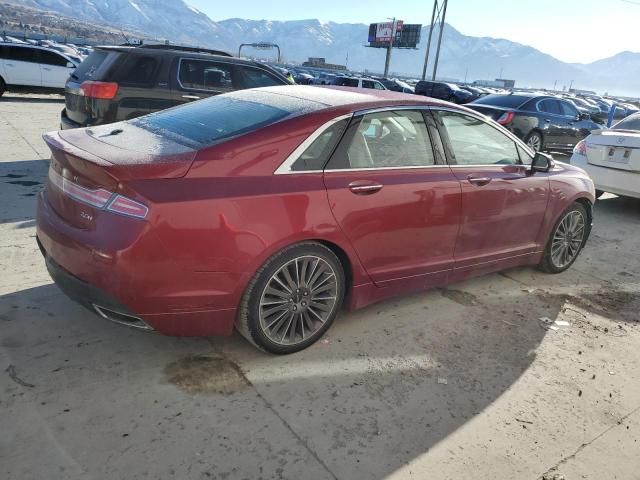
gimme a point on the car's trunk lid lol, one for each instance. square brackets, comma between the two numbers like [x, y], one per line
[92, 162]
[617, 149]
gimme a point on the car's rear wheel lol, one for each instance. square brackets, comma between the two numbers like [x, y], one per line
[534, 141]
[3, 86]
[566, 240]
[293, 299]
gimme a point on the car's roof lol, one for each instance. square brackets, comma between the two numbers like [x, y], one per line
[350, 98]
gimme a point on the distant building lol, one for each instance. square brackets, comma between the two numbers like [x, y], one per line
[581, 92]
[507, 83]
[498, 83]
[320, 62]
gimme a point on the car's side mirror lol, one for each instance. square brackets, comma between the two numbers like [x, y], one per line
[542, 163]
[584, 116]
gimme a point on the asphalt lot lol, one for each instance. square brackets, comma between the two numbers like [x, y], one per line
[461, 383]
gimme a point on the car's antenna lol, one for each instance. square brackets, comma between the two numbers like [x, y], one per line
[125, 36]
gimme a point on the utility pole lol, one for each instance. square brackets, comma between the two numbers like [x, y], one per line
[437, 17]
[570, 85]
[426, 55]
[389, 48]
[444, 15]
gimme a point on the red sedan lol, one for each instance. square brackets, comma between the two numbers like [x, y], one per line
[269, 209]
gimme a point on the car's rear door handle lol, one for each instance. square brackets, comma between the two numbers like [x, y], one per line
[46, 68]
[479, 181]
[363, 187]
[547, 120]
[191, 97]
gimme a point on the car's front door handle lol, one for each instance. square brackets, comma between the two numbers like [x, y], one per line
[363, 187]
[547, 120]
[46, 68]
[191, 97]
[479, 181]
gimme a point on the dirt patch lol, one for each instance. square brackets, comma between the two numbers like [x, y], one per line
[463, 298]
[206, 374]
[612, 302]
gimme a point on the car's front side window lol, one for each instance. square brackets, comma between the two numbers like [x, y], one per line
[475, 142]
[568, 110]
[255, 78]
[392, 139]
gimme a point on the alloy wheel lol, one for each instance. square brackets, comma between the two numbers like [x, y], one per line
[568, 239]
[298, 299]
[534, 142]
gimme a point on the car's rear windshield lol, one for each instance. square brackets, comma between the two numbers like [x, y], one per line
[218, 118]
[90, 68]
[630, 123]
[507, 101]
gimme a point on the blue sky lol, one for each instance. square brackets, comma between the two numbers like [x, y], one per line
[570, 30]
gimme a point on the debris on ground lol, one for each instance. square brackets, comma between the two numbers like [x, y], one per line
[442, 381]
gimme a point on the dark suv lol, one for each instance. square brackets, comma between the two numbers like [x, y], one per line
[443, 91]
[123, 82]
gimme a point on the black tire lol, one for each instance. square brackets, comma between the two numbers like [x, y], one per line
[535, 137]
[3, 86]
[599, 193]
[547, 264]
[248, 320]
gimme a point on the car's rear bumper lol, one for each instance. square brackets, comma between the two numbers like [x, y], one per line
[612, 180]
[136, 286]
[66, 123]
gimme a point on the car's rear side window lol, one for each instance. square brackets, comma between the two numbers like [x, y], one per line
[22, 54]
[137, 70]
[391, 139]
[206, 75]
[52, 58]
[216, 118]
[316, 156]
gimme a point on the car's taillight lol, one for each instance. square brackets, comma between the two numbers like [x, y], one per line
[99, 197]
[581, 147]
[125, 206]
[102, 90]
[506, 118]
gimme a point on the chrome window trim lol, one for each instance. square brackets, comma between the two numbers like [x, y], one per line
[285, 167]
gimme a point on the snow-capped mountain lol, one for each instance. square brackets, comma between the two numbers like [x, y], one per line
[461, 56]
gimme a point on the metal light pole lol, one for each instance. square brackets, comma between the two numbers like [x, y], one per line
[389, 48]
[437, 17]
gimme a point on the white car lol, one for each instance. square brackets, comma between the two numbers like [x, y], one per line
[611, 157]
[31, 68]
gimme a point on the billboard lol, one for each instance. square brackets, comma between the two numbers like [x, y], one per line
[407, 35]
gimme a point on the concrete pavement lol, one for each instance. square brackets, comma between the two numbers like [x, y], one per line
[459, 383]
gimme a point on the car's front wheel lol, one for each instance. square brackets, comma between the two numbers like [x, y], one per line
[3, 86]
[566, 240]
[293, 299]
